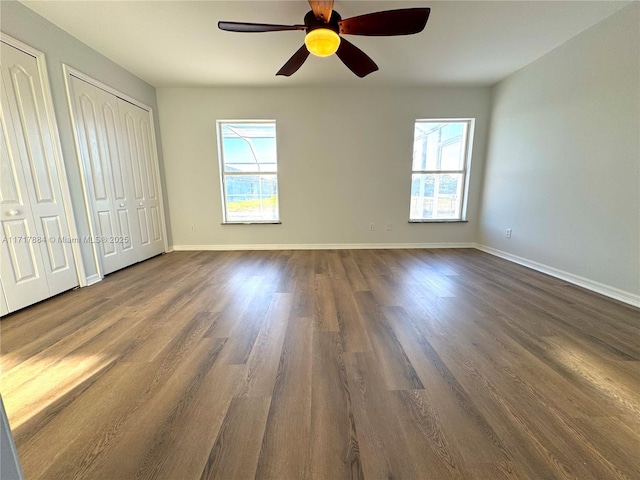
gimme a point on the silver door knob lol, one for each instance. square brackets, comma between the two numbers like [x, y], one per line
[140, 204]
[122, 205]
[12, 213]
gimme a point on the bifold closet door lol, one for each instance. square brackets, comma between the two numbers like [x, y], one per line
[4, 308]
[36, 257]
[107, 175]
[140, 148]
[121, 177]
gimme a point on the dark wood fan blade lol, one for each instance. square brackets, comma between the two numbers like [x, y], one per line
[355, 59]
[295, 62]
[322, 10]
[391, 22]
[256, 27]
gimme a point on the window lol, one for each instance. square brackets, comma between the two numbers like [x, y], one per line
[248, 171]
[441, 156]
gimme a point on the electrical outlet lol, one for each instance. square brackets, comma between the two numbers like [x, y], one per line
[192, 228]
[389, 226]
[508, 233]
[371, 226]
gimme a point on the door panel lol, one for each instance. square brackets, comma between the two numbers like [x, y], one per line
[132, 154]
[57, 253]
[148, 157]
[93, 155]
[144, 226]
[141, 156]
[106, 173]
[125, 228]
[9, 193]
[105, 226]
[23, 97]
[118, 169]
[4, 308]
[124, 203]
[32, 133]
[155, 224]
[23, 257]
[21, 267]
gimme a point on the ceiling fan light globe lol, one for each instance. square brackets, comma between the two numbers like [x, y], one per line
[322, 42]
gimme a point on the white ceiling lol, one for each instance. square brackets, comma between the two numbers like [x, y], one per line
[177, 43]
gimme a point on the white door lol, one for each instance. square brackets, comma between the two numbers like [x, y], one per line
[108, 175]
[4, 309]
[21, 264]
[140, 151]
[118, 155]
[37, 261]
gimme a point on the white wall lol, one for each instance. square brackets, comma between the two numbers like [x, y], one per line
[59, 47]
[564, 157]
[344, 161]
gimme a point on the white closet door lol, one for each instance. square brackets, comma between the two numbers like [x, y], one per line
[108, 176]
[21, 265]
[31, 198]
[139, 148]
[4, 309]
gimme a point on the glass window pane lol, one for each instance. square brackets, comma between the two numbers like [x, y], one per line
[425, 146]
[436, 196]
[249, 165]
[451, 156]
[251, 198]
[439, 146]
[249, 147]
[452, 130]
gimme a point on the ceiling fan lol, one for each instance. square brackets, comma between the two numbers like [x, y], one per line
[324, 27]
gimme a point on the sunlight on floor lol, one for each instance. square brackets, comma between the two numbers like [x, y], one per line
[595, 370]
[27, 391]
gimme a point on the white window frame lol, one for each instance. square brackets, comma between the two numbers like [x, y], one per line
[466, 168]
[223, 174]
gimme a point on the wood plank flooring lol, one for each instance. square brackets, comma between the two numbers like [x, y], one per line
[354, 364]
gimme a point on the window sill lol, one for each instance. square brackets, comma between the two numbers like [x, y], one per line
[438, 221]
[253, 223]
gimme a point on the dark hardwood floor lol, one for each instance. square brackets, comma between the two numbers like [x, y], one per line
[369, 364]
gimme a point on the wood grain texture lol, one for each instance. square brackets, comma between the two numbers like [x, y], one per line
[363, 364]
[241, 431]
[334, 440]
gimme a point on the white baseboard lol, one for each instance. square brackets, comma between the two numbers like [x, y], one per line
[601, 288]
[321, 246]
[95, 278]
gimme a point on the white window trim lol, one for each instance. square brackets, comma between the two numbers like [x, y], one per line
[222, 174]
[465, 172]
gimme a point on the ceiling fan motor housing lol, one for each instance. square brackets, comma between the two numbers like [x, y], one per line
[313, 23]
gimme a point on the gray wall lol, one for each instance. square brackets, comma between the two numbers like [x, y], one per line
[10, 468]
[564, 157]
[59, 47]
[344, 161]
